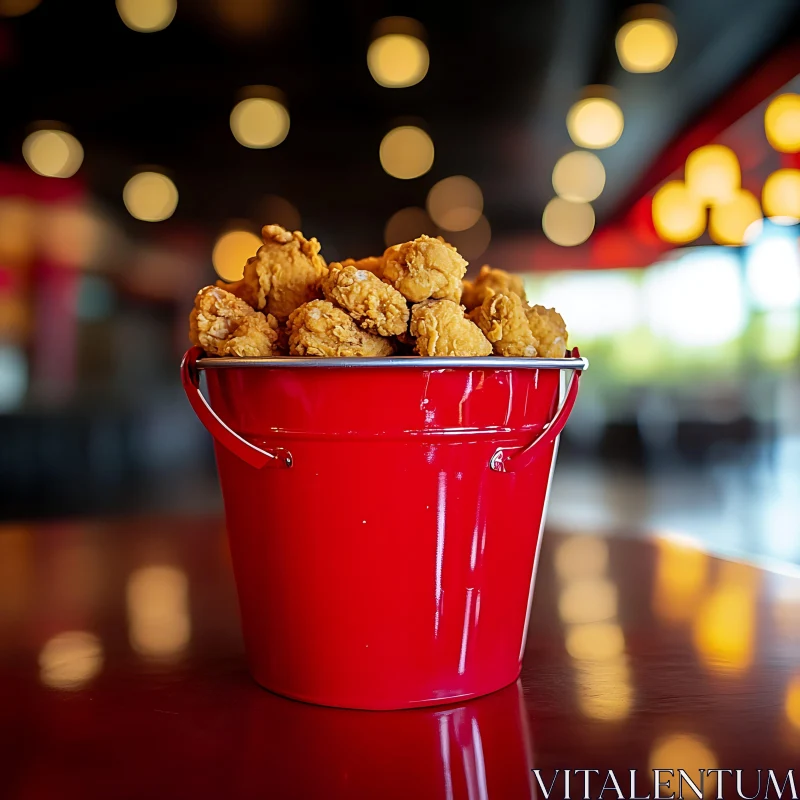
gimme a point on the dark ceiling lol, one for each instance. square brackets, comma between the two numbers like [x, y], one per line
[502, 77]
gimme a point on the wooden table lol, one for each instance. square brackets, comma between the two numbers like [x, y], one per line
[122, 675]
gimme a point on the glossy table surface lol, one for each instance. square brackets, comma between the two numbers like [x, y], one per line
[122, 675]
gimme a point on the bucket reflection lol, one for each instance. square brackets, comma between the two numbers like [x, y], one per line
[480, 749]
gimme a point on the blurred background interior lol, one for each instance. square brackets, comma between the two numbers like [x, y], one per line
[638, 164]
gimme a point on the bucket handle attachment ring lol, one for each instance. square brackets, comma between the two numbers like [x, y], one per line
[512, 459]
[227, 437]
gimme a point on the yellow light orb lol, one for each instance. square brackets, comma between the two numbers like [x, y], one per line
[713, 174]
[678, 216]
[70, 660]
[147, 16]
[455, 203]
[407, 224]
[150, 196]
[406, 152]
[397, 60]
[232, 251]
[579, 176]
[567, 224]
[793, 702]
[259, 122]
[595, 122]
[782, 123]
[55, 154]
[781, 194]
[727, 222]
[473, 242]
[646, 45]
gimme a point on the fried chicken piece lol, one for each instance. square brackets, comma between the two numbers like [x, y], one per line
[283, 274]
[503, 320]
[318, 328]
[225, 325]
[497, 280]
[373, 264]
[374, 305]
[425, 268]
[441, 329]
[549, 328]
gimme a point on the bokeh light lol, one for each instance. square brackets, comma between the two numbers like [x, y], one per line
[595, 122]
[595, 641]
[581, 557]
[681, 574]
[455, 203]
[259, 122]
[16, 8]
[70, 660]
[713, 174]
[793, 702]
[406, 224]
[276, 210]
[678, 216]
[604, 687]
[231, 253]
[53, 153]
[772, 267]
[150, 196]
[567, 224]
[782, 123]
[147, 16]
[406, 152]
[397, 60]
[158, 611]
[780, 196]
[688, 756]
[646, 45]
[473, 242]
[728, 221]
[579, 176]
[588, 600]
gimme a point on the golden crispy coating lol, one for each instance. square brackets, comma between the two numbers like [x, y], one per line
[318, 328]
[425, 268]
[283, 274]
[548, 326]
[223, 324]
[373, 304]
[441, 329]
[373, 264]
[503, 320]
[496, 280]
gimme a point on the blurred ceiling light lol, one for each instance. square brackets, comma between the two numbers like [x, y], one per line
[147, 16]
[772, 267]
[70, 660]
[158, 611]
[16, 8]
[455, 203]
[724, 628]
[259, 122]
[678, 216]
[690, 756]
[276, 210]
[782, 123]
[713, 174]
[53, 153]
[398, 57]
[793, 702]
[579, 176]
[581, 557]
[604, 688]
[589, 600]
[781, 194]
[473, 242]
[646, 45]
[150, 196]
[595, 122]
[406, 224]
[595, 641]
[681, 574]
[705, 287]
[729, 221]
[406, 152]
[567, 224]
[231, 253]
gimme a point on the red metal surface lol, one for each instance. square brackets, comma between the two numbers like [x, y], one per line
[390, 551]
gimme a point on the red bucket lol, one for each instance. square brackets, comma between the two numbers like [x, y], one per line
[384, 517]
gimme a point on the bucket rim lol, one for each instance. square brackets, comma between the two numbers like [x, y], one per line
[405, 362]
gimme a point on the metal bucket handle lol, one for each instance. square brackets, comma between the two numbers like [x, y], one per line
[512, 459]
[227, 437]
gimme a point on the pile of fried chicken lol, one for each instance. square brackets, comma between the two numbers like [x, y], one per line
[411, 300]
